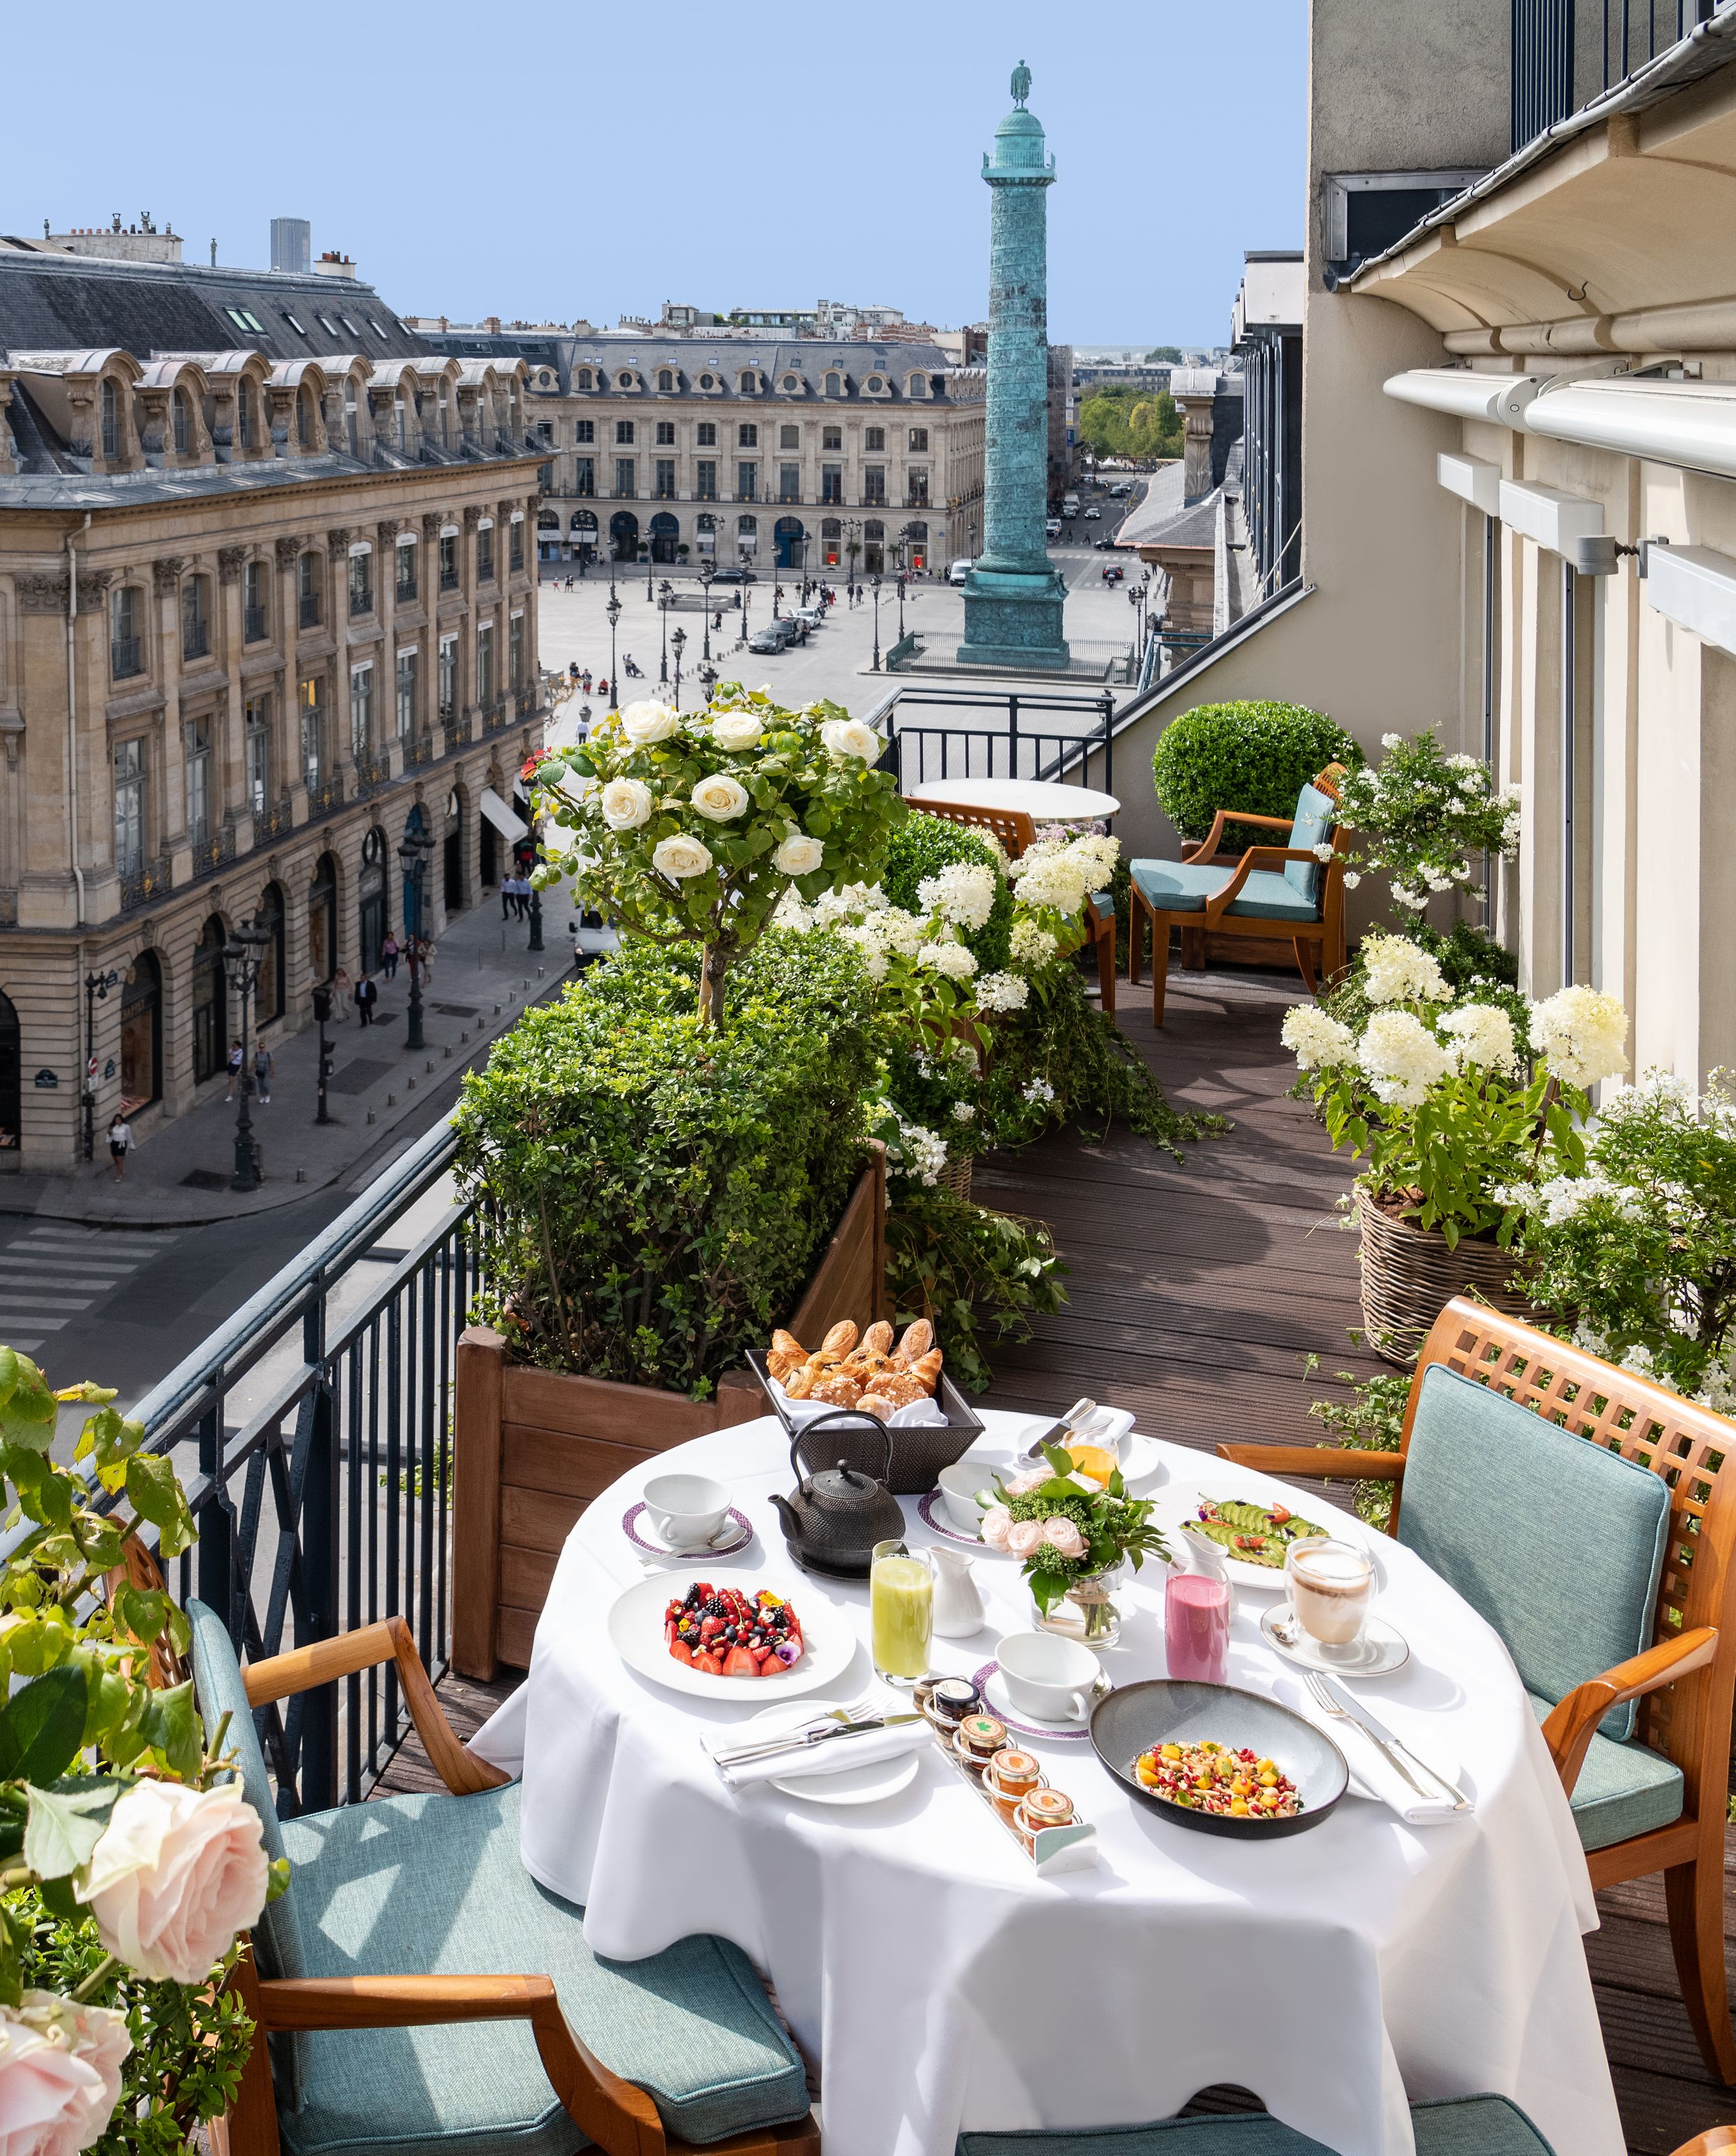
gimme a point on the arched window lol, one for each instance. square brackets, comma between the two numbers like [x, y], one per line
[747, 524]
[705, 521]
[269, 989]
[322, 919]
[244, 412]
[196, 618]
[582, 379]
[665, 380]
[111, 420]
[834, 385]
[305, 419]
[210, 1002]
[12, 1059]
[142, 1034]
[750, 383]
[182, 413]
[371, 900]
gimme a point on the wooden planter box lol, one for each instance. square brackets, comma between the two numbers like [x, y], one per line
[533, 1447]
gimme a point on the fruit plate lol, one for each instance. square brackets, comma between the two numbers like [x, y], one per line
[1176, 1507]
[636, 1632]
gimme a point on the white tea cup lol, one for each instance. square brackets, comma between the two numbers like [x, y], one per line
[958, 1486]
[686, 1510]
[1048, 1676]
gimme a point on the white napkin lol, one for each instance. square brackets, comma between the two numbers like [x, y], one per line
[831, 1755]
[1374, 1776]
[803, 1412]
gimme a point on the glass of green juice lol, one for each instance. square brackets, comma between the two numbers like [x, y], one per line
[901, 1604]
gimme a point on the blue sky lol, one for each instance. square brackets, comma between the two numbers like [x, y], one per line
[591, 160]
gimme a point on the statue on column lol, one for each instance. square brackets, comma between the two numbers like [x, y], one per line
[1021, 84]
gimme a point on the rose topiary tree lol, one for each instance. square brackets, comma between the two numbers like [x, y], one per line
[689, 827]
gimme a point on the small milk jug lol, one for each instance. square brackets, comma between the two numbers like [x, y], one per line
[958, 1600]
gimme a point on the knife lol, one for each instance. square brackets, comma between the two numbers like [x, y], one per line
[1382, 1735]
[741, 1755]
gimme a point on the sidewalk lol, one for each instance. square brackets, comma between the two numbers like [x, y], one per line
[482, 978]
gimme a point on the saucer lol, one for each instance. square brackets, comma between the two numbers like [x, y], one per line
[1380, 1650]
[731, 1537]
[849, 1785]
[992, 1685]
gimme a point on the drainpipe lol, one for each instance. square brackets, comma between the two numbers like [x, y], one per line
[72, 704]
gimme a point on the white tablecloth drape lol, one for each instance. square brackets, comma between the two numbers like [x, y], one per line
[941, 1985]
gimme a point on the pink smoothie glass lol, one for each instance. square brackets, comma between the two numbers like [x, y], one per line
[1196, 1626]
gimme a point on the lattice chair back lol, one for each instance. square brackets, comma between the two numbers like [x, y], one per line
[141, 1570]
[1691, 1448]
[1330, 780]
[1012, 827]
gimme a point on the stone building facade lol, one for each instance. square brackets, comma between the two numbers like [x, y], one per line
[783, 456]
[264, 607]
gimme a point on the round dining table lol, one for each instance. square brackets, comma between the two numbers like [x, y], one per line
[938, 1983]
[1044, 800]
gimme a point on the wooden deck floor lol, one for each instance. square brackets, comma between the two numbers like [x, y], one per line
[1196, 1293]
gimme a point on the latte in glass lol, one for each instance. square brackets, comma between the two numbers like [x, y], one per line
[1332, 1584]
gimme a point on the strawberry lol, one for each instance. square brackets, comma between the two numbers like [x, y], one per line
[740, 1663]
[679, 1649]
[705, 1659]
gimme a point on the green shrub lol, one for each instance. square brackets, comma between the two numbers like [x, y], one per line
[1255, 756]
[922, 845]
[655, 1192]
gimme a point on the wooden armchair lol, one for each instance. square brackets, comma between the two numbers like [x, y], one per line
[357, 1871]
[1282, 893]
[1016, 831]
[1683, 1682]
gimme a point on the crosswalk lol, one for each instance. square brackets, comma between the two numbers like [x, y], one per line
[53, 1271]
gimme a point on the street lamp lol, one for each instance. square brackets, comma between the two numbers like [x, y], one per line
[649, 565]
[665, 595]
[708, 570]
[322, 1014]
[613, 611]
[875, 581]
[746, 575]
[96, 991]
[678, 644]
[241, 960]
[413, 857]
[708, 679]
[852, 548]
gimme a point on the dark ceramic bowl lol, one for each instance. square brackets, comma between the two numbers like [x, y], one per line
[1163, 1711]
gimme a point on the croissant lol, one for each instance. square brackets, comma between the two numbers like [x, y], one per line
[865, 1366]
[801, 1382]
[876, 1340]
[779, 1365]
[926, 1369]
[918, 1340]
[786, 1344]
[837, 1388]
[840, 1339]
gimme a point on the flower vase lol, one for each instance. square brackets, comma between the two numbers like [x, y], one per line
[1087, 1612]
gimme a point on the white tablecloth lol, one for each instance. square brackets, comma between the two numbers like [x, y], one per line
[1047, 800]
[942, 1985]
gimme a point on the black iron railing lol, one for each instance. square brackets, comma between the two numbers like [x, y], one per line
[1567, 52]
[313, 1433]
[270, 823]
[998, 734]
[213, 853]
[138, 886]
[309, 610]
[125, 657]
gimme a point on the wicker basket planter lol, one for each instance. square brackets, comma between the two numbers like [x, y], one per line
[955, 1178]
[1409, 1274]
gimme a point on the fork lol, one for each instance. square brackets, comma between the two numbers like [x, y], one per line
[1323, 1698]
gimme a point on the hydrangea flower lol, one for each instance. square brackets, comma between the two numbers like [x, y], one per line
[1397, 970]
[1002, 992]
[1581, 1034]
[1401, 1058]
[1315, 1040]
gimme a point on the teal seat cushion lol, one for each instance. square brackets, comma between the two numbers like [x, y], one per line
[434, 1886]
[1316, 813]
[1623, 1789]
[1184, 886]
[1104, 901]
[1557, 1543]
[1461, 2125]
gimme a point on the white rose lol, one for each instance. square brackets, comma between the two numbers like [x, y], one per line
[650, 721]
[96, 2036]
[798, 855]
[177, 1873]
[719, 797]
[54, 2101]
[849, 737]
[737, 730]
[1062, 1536]
[680, 857]
[627, 803]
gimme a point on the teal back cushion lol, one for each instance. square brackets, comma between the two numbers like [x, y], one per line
[1557, 1542]
[1316, 813]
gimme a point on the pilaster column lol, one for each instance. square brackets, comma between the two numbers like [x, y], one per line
[166, 824]
[230, 805]
[471, 517]
[282, 773]
[385, 707]
[338, 760]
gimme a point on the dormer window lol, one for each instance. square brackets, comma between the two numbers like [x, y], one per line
[707, 382]
[111, 420]
[623, 380]
[245, 413]
[875, 385]
[834, 385]
[791, 383]
[583, 378]
[294, 324]
[665, 380]
[181, 416]
[750, 383]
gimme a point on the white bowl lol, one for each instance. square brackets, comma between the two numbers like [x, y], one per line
[686, 1510]
[958, 1486]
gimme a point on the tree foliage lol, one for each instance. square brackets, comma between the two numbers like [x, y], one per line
[1122, 421]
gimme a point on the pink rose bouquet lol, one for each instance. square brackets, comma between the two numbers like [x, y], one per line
[1064, 1528]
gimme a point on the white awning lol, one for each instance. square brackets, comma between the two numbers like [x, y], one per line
[501, 816]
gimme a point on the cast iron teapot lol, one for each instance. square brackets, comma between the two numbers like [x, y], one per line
[834, 1518]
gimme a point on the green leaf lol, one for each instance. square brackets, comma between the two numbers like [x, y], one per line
[67, 1822]
[42, 1727]
[170, 1724]
[156, 1495]
[58, 1899]
[27, 1411]
[142, 1611]
[277, 1879]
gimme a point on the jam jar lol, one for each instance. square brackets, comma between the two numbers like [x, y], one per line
[1010, 1777]
[1043, 1807]
[951, 1701]
[977, 1739]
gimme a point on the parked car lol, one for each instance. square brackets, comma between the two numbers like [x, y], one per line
[813, 617]
[1093, 511]
[774, 637]
[735, 577]
[794, 626]
[1053, 528]
[959, 570]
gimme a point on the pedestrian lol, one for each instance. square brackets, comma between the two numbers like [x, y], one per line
[263, 1068]
[585, 681]
[506, 885]
[121, 1138]
[425, 959]
[235, 1060]
[521, 896]
[340, 992]
[389, 955]
[603, 684]
[366, 996]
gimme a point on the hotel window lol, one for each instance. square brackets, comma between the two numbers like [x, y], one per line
[307, 591]
[199, 781]
[584, 476]
[245, 413]
[310, 695]
[259, 753]
[664, 489]
[918, 484]
[706, 436]
[304, 420]
[624, 479]
[920, 439]
[789, 482]
[448, 680]
[448, 561]
[196, 618]
[832, 482]
[516, 544]
[665, 380]
[545, 433]
[181, 414]
[516, 653]
[125, 645]
[874, 484]
[130, 807]
[874, 437]
[832, 437]
[406, 573]
[789, 438]
[361, 583]
[706, 473]
[666, 433]
[485, 554]
[485, 664]
[406, 693]
[111, 420]
[747, 482]
[361, 711]
[584, 430]
[747, 435]
[623, 430]
[255, 627]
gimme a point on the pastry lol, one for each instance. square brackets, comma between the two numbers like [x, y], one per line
[840, 1339]
[876, 1341]
[918, 1340]
[801, 1382]
[837, 1388]
[877, 1404]
[899, 1388]
[926, 1369]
